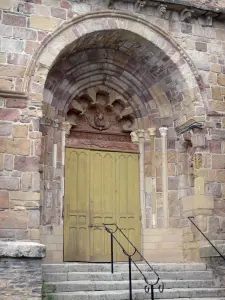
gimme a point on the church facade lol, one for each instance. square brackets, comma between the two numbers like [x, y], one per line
[112, 112]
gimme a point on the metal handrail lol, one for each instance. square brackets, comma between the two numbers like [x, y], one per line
[220, 254]
[149, 286]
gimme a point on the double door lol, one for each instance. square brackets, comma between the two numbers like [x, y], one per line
[100, 187]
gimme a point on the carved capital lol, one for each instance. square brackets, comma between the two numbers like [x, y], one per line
[151, 131]
[134, 137]
[66, 126]
[163, 131]
[140, 133]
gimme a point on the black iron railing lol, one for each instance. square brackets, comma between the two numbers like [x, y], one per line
[220, 254]
[149, 287]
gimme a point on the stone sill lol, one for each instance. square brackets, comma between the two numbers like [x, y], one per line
[22, 249]
[209, 251]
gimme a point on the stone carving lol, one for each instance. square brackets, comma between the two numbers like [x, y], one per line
[208, 21]
[134, 137]
[161, 10]
[186, 15]
[197, 161]
[100, 112]
[139, 5]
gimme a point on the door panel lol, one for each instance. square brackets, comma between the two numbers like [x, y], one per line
[76, 222]
[100, 187]
[127, 200]
[102, 202]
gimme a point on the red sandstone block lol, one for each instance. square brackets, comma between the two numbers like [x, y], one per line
[4, 199]
[9, 114]
[41, 35]
[26, 163]
[65, 4]
[215, 146]
[31, 47]
[16, 103]
[14, 20]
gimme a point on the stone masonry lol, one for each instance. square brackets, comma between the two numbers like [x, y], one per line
[164, 59]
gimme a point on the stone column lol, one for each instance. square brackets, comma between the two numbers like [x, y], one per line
[65, 131]
[152, 133]
[141, 141]
[163, 132]
[139, 137]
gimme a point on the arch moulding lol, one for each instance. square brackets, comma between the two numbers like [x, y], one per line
[67, 33]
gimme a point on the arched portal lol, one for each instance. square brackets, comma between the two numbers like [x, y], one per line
[136, 64]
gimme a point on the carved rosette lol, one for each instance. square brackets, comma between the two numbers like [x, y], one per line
[100, 112]
[101, 116]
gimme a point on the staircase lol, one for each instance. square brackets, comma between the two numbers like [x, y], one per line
[94, 281]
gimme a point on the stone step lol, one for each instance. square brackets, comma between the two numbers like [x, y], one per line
[106, 267]
[140, 294]
[118, 276]
[73, 286]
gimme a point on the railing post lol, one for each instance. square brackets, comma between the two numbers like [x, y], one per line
[152, 292]
[112, 258]
[130, 277]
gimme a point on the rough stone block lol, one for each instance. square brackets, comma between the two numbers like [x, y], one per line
[18, 146]
[33, 219]
[21, 249]
[6, 84]
[25, 196]
[5, 4]
[201, 46]
[7, 114]
[5, 128]
[4, 200]
[58, 13]
[20, 131]
[194, 204]
[31, 46]
[221, 79]
[35, 182]
[12, 70]
[9, 162]
[218, 161]
[11, 219]
[14, 20]
[1, 161]
[24, 33]
[26, 163]
[9, 183]
[16, 103]
[43, 23]
[17, 59]
[26, 181]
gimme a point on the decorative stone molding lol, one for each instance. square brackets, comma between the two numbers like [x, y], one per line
[22, 249]
[190, 124]
[186, 15]
[13, 94]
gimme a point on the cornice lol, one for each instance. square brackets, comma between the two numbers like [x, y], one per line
[13, 94]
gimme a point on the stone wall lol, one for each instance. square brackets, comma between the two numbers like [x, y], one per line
[20, 270]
